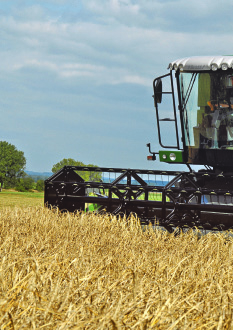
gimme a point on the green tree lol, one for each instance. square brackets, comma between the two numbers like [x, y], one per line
[86, 175]
[12, 164]
[66, 162]
[40, 185]
[25, 184]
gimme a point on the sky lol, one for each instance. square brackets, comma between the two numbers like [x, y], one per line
[76, 76]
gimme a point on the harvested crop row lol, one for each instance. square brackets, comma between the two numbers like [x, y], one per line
[86, 271]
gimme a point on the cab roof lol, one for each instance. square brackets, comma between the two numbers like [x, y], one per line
[201, 63]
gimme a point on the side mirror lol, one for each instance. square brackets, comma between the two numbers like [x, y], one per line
[158, 91]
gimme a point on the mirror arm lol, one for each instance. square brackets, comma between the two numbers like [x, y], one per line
[153, 157]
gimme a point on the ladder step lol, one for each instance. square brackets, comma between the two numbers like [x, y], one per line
[166, 119]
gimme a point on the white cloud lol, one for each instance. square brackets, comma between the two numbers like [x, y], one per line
[115, 7]
[80, 49]
[176, 15]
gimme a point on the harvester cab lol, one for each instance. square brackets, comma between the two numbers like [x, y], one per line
[202, 87]
[203, 124]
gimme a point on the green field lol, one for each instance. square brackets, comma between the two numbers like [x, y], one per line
[10, 198]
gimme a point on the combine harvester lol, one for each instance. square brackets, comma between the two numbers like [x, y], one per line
[203, 129]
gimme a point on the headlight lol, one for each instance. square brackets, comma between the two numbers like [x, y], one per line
[172, 156]
[224, 66]
[164, 156]
[214, 67]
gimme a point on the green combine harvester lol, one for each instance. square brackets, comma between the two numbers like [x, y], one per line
[202, 127]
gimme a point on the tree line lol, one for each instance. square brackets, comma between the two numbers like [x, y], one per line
[12, 166]
[13, 175]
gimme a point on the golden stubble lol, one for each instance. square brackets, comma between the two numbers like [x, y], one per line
[87, 271]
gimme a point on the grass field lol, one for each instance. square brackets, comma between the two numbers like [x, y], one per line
[64, 271]
[10, 198]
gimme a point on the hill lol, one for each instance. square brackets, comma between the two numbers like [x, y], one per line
[39, 175]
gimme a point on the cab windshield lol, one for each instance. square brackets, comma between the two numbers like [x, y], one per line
[207, 103]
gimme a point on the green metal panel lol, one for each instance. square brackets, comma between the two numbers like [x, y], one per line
[169, 156]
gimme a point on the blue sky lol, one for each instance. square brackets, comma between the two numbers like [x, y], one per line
[76, 76]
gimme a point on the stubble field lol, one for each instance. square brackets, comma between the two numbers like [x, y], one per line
[83, 271]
